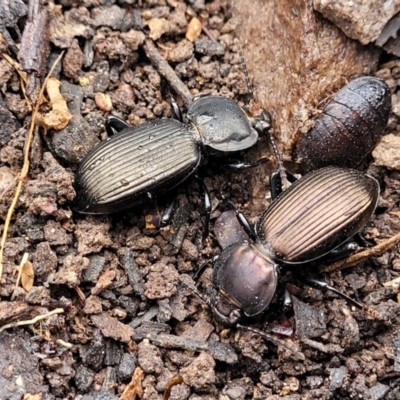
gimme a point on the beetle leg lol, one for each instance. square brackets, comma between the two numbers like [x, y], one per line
[274, 340]
[202, 268]
[175, 108]
[166, 217]
[243, 165]
[275, 183]
[360, 236]
[247, 226]
[324, 287]
[115, 124]
[342, 252]
[207, 206]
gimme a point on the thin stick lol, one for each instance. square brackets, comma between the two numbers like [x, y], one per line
[25, 167]
[357, 258]
[31, 321]
[166, 71]
[23, 261]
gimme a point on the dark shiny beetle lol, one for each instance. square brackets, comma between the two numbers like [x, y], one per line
[350, 126]
[148, 160]
[314, 216]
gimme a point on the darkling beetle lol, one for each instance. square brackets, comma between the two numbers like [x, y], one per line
[318, 214]
[349, 127]
[150, 159]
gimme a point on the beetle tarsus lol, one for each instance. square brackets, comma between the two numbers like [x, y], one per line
[274, 340]
[239, 165]
[247, 226]
[115, 124]
[166, 217]
[207, 206]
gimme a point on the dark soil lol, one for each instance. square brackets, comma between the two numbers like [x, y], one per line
[127, 316]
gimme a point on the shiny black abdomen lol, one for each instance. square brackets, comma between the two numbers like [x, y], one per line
[349, 127]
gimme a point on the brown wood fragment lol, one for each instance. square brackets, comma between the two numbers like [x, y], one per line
[105, 281]
[134, 388]
[16, 311]
[35, 49]
[111, 327]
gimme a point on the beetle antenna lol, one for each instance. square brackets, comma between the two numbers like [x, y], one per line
[265, 116]
[202, 267]
[274, 340]
[187, 281]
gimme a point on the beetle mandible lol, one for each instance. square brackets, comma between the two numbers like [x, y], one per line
[349, 127]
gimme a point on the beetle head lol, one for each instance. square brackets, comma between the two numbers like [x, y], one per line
[246, 280]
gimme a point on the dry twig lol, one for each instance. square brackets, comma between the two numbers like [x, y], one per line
[31, 321]
[25, 167]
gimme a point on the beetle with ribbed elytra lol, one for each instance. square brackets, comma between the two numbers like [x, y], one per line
[317, 214]
[148, 160]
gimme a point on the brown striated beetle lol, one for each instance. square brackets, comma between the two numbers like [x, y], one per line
[316, 215]
[349, 127]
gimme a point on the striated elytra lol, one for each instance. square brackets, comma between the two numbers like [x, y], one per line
[314, 216]
[147, 160]
[349, 127]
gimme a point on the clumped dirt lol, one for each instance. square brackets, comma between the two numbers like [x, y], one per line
[125, 322]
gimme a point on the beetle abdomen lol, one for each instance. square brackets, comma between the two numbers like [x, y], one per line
[349, 127]
[318, 213]
[146, 160]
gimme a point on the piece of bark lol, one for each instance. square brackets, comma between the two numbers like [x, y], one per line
[389, 38]
[35, 47]
[296, 59]
[362, 20]
[16, 311]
